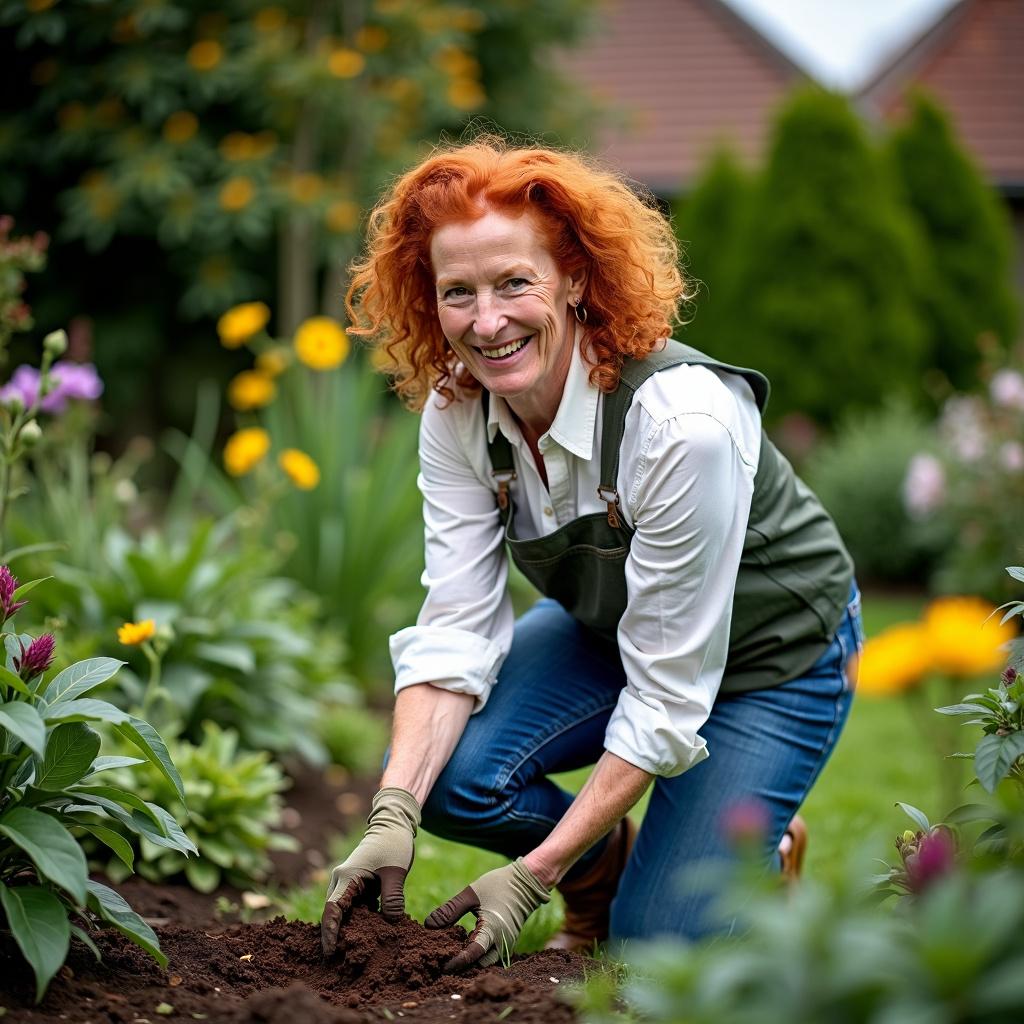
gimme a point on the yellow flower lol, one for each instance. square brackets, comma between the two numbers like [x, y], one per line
[372, 38]
[180, 126]
[237, 193]
[245, 449]
[321, 343]
[251, 389]
[964, 641]
[345, 63]
[306, 187]
[237, 146]
[465, 94]
[456, 62]
[241, 322]
[270, 19]
[467, 20]
[134, 633]
[342, 215]
[299, 468]
[205, 55]
[895, 660]
[273, 362]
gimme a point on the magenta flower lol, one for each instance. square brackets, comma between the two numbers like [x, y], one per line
[8, 585]
[745, 823]
[78, 381]
[934, 858]
[37, 658]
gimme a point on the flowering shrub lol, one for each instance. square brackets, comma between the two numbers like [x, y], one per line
[18, 256]
[51, 796]
[976, 483]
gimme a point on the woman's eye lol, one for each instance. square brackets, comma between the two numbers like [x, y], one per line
[516, 282]
[455, 293]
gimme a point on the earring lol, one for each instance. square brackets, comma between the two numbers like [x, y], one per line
[576, 307]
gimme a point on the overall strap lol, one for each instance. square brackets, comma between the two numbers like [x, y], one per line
[500, 452]
[616, 405]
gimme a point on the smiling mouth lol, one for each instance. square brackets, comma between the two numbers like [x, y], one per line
[495, 355]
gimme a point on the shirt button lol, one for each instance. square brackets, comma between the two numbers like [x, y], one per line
[549, 511]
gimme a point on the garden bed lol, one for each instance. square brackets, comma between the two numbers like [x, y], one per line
[275, 973]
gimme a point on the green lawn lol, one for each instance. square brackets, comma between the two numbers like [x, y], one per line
[883, 756]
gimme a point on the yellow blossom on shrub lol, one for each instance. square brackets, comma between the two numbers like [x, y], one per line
[342, 215]
[134, 633]
[306, 187]
[299, 468]
[205, 55]
[180, 126]
[321, 343]
[241, 322]
[270, 19]
[964, 641]
[237, 146]
[465, 94]
[245, 449]
[345, 63]
[251, 389]
[456, 62]
[895, 660]
[372, 38]
[273, 362]
[237, 193]
[467, 20]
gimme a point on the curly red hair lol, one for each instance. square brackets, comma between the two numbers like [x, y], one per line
[590, 218]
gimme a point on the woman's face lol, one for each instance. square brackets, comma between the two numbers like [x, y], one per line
[505, 308]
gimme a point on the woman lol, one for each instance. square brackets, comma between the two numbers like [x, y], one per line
[701, 623]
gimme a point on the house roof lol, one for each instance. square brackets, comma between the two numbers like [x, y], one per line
[972, 61]
[686, 74]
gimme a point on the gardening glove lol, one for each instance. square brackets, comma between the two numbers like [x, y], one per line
[383, 856]
[502, 900]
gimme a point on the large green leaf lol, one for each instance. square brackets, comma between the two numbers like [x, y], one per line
[105, 763]
[86, 709]
[23, 721]
[114, 840]
[70, 751]
[111, 907]
[116, 795]
[50, 846]
[80, 678]
[39, 924]
[994, 755]
[148, 740]
[27, 587]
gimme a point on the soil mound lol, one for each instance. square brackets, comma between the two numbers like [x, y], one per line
[275, 973]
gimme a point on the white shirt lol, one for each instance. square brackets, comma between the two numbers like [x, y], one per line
[686, 476]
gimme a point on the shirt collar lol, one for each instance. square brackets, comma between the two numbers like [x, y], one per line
[573, 425]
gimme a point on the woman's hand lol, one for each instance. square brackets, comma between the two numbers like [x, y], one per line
[383, 857]
[502, 900]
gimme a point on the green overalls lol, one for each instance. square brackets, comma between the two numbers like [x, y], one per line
[794, 575]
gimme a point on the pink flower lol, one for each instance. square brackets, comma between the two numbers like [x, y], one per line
[924, 486]
[745, 823]
[8, 585]
[1011, 455]
[934, 858]
[1007, 389]
[37, 658]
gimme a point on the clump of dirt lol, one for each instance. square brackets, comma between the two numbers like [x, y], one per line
[275, 973]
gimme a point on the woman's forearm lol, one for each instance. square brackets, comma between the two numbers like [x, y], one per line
[426, 726]
[613, 788]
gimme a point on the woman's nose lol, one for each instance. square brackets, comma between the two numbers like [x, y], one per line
[489, 319]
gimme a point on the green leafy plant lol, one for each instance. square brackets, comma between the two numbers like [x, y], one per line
[54, 790]
[233, 800]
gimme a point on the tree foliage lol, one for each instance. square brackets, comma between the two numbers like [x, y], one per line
[969, 244]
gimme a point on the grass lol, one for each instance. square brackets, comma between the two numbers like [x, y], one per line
[883, 757]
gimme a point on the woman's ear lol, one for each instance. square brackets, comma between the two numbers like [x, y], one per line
[577, 285]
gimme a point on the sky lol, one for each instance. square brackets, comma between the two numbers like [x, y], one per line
[840, 42]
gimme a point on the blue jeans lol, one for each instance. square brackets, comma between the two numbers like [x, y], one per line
[548, 712]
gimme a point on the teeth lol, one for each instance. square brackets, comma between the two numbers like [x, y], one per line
[506, 350]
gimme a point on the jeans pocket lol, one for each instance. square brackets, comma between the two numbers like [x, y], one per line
[851, 636]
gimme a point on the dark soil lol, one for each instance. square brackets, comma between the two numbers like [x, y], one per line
[275, 973]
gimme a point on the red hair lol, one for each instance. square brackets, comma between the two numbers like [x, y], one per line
[590, 219]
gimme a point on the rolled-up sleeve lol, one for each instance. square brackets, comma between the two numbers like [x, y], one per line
[464, 629]
[690, 502]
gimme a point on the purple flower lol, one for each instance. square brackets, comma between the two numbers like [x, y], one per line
[745, 823]
[69, 381]
[8, 585]
[924, 486]
[1007, 389]
[37, 658]
[934, 858]
[1009, 675]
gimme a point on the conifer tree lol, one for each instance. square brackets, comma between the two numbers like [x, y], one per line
[969, 243]
[831, 269]
[710, 223]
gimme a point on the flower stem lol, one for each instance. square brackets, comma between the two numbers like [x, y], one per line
[153, 685]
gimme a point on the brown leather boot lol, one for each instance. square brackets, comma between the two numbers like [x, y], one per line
[588, 899]
[792, 853]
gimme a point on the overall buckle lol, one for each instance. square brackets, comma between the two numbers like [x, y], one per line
[610, 497]
[503, 477]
